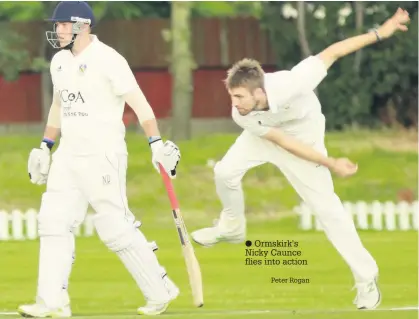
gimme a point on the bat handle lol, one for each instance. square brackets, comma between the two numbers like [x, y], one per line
[169, 188]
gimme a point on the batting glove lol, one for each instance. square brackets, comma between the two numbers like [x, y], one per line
[39, 163]
[167, 154]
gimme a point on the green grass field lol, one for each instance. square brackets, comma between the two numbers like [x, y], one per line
[101, 288]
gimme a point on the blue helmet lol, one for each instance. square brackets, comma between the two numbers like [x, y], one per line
[77, 12]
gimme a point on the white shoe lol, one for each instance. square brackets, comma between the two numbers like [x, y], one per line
[212, 235]
[368, 296]
[40, 311]
[153, 309]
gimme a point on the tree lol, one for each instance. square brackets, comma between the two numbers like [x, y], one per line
[181, 68]
[12, 60]
[19, 12]
[226, 9]
[374, 86]
[301, 28]
[182, 61]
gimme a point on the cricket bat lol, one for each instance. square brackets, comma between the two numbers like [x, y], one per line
[192, 264]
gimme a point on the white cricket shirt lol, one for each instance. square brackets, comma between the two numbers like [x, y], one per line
[91, 86]
[290, 97]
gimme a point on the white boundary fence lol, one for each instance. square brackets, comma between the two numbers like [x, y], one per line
[18, 225]
[387, 216]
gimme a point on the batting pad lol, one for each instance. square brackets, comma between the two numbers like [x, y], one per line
[123, 237]
[54, 260]
[55, 221]
[153, 246]
[143, 266]
[70, 265]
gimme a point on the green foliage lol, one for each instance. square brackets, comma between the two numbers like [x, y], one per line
[387, 77]
[108, 10]
[33, 11]
[39, 64]
[226, 8]
[12, 60]
[21, 11]
[115, 10]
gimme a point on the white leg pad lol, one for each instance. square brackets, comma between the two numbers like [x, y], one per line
[55, 222]
[129, 243]
[153, 246]
[70, 265]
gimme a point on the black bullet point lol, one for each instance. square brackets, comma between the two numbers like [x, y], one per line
[248, 243]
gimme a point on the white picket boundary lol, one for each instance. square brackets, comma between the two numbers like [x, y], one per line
[18, 225]
[387, 216]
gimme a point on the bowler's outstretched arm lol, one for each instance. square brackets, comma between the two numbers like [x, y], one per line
[345, 47]
[308, 74]
[298, 148]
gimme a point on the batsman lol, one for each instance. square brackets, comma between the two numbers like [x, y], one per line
[284, 125]
[92, 82]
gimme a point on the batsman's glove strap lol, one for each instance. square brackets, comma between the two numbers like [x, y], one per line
[50, 143]
[153, 139]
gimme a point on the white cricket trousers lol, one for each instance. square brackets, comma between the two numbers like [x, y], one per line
[74, 183]
[312, 182]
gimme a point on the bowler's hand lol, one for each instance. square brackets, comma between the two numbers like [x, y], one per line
[396, 23]
[344, 167]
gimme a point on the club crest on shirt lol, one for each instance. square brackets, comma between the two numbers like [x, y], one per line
[82, 68]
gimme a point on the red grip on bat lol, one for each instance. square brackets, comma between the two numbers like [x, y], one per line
[169, 187]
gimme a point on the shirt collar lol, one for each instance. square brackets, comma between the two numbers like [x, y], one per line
[90, 47]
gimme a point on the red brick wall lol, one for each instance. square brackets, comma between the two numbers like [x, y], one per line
[20, 101]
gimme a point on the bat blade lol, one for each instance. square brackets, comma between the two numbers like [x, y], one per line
[192, 265]
[194, 273]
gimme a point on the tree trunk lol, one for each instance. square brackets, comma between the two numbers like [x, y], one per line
[301, 28]
[182, 65]
[302, 37]
[359, 24]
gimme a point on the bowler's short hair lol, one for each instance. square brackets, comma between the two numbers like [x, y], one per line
[245, 73]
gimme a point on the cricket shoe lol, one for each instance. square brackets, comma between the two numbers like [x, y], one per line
[41, 311]
[212, 235]
[154, 309]
[368, 296]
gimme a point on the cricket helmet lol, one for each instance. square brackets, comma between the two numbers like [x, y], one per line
[76, 12]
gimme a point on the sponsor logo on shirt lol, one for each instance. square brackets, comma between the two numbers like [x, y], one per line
[69, 99]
